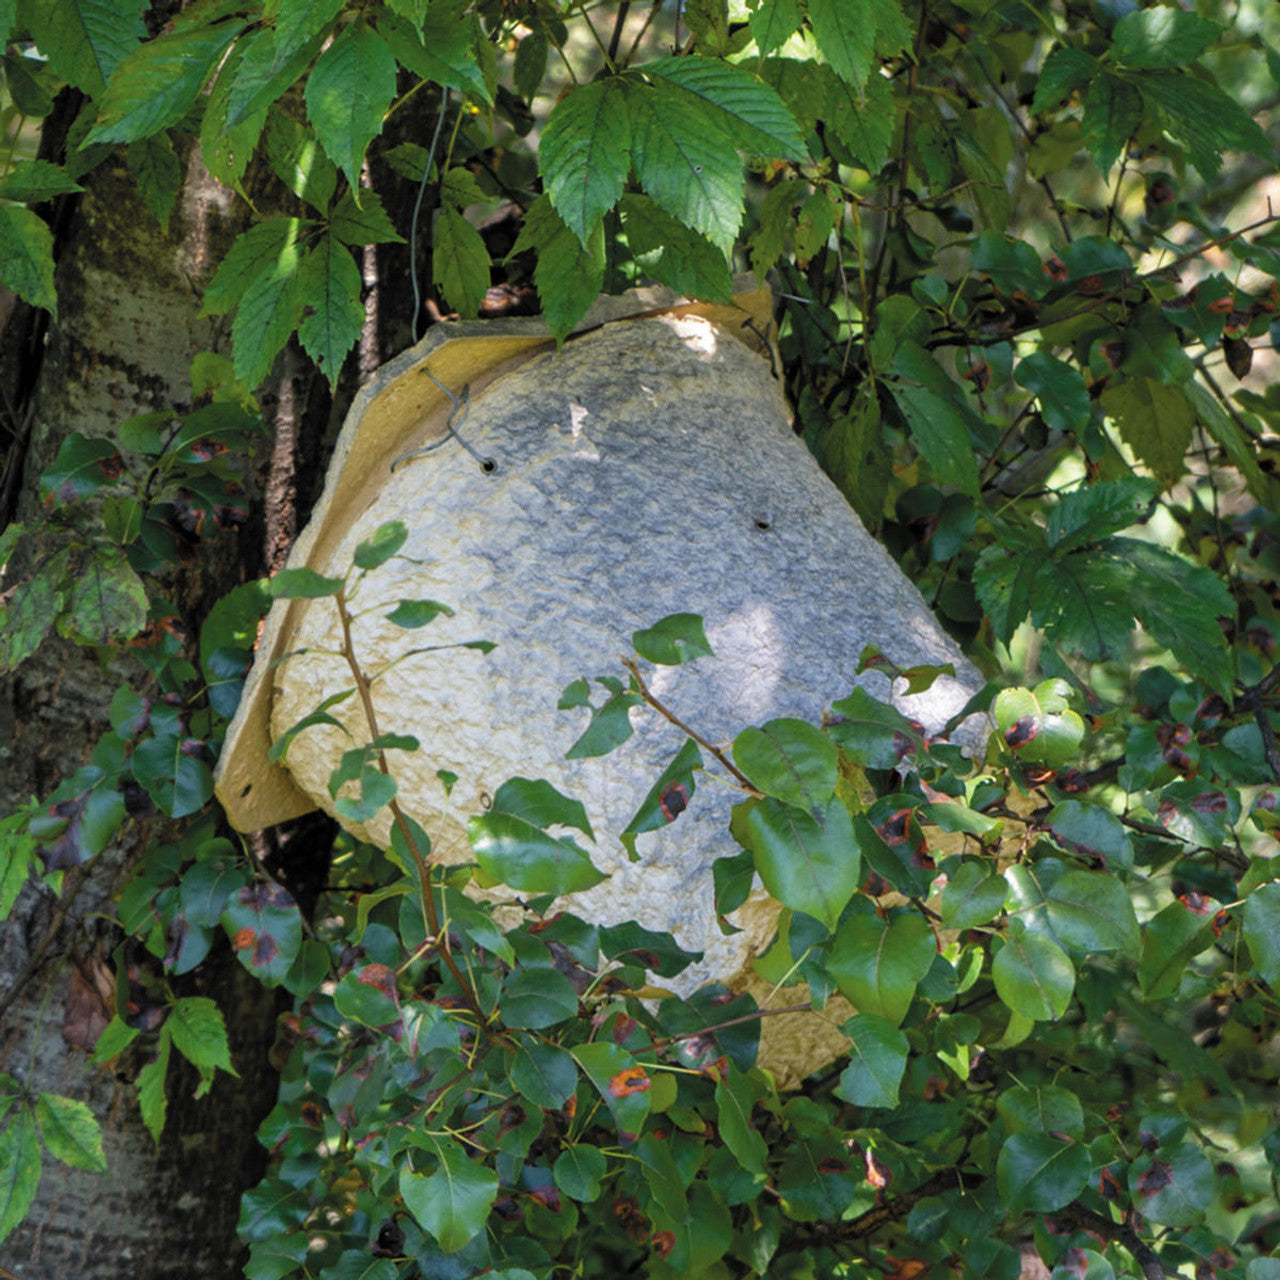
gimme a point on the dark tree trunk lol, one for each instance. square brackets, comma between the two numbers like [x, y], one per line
[126, 329]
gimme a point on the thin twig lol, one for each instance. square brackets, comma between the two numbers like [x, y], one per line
[666, 1041]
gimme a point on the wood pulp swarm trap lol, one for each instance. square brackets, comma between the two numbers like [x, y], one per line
[647, 469]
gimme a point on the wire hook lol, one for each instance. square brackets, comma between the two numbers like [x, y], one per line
[457, 416]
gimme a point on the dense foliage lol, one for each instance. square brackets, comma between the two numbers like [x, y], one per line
[1021, 293]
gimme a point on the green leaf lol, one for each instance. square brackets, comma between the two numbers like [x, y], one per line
[26, 257]
[750, 112]
[17, 850]
[107, 601]
[1156, 421]
[585, 154]
[155, 168]
[1228, 432]
[272, 1209]
[790, 760]
[298, 160]
[1041, 1173]
[19, 1170]
[610, 726]
[265, 928]
[538, 998]
[621, 1081]
[544, 1074]
[1091, 911]
[773, 23]
[179, 782]
[411, 614]
[578, 1171]
[871, 732]
[1058, 386]
[365, 223]
[1065, 72]
[1198, 113]
[268, 312]
[631, 943]
[209, 882]
[459, 262]
[386, 541]
[1171, 939]
[226, 148]
[878, 964]
[156, 85]
[1261, 928]
[377, 790]
[1095, 511]
[1042, 1109]
[442, 50]
[36, 180]
[348, 93]
[368, 995]
[254, 253]
[70, 1133]
[877, 1061]
[673, 640]
[941, 432]
[1112, 111]
[809, 861]
[1033, 975]
[973, 896]
[668, 798]
[329, 281]
[267, 67]
[670, 252]
[686, 163]
[1091, 832]
[452, 1203]
[86, 40]
[736, 1095]
[302, 584]
[863, 119]
[83, 465]
[151, 1095]
[538, 802]
[512, 851]
[1173, 1187]
[1161, 37]
[116, 1037]
[851, 32]
[568, 276]
[199, 1034]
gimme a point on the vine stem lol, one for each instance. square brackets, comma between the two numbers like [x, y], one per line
[420, 860]
[643, 689]
[666, 1042]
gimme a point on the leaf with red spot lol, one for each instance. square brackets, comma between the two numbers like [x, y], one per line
[265, 928]
[621, 1081]
[82, 467]
[1175, 1189]
[631, 943]
[1039, 725]
[1199, 812]
[668, 798]
[368, 995]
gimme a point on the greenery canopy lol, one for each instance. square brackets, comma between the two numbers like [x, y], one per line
[1025, 272]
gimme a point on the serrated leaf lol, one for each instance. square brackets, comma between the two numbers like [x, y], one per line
[1208, 121]
[585, 154]
[851, 32]
[86, 40]
[1112, 111]
[1095, 511]
[267, 67]
[70, 1132]
[459, 262]
[939, 429]
[36, 180]
[107, 600]
[878, 964]
[453, 1202]
[254, 253]
[19, 1170]
[365, 223]
[689, 166]
[1161, 37]
[226, 148]
[864, 120]
[672, 253]
[773, 23]
[877, 1062]
[568, 277]
[151, 1089]
[329, 281]
[156, 85]
[1065, 72]
[1033, 976]
[348, 93]
[155, 168]
[196, 1026]
[442, 50]
[750, 112]
[295, 154]
[26, 257]
[1156, 421]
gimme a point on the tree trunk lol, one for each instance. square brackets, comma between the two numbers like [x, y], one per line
[126, 329]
